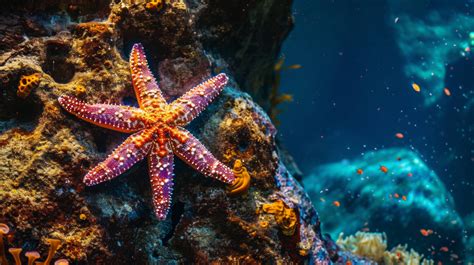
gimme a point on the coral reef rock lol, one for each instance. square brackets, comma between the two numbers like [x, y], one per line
[390, 190]
[80, 48]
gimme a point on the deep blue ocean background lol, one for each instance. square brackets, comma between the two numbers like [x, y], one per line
[352, 94]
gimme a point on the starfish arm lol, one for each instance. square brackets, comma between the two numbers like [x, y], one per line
[189, 105]
[195, 154]
[118, 118]
[161, 178]
[132, 150]
[146, 88]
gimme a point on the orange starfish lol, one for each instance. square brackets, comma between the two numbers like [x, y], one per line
[158, 132]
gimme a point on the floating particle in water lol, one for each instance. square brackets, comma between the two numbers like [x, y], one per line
[444, 249]
[416, 87]
[447, 92]
[396, 20]
[399, 135]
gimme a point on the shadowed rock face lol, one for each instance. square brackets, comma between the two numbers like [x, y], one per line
[407, 198]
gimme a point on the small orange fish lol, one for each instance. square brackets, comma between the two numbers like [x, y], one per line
[416, 87]
[447, 92]
[399, 135]
[404, 197]
[349, 262]
[336, 203]
[396, 195]
[384, 169]
[444, 249]
[410, 174]
[295, 66]
[360, 171]
[440, 263]
[426, 232]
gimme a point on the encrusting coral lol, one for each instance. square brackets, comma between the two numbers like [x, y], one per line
[374, 247]
[155, 5]
[284, 216]
[32, 256]
[27, 83]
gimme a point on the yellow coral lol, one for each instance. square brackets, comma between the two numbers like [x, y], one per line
[370, 245]
[400, 255]
[242, 179]
[27, 83]
[373, 246]
[80, 90]
[178, 4]
[82, 216]
[155, 5]
[284, 216]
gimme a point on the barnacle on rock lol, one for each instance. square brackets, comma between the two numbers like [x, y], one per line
[27, 83]
[284, 216]
[242, 179]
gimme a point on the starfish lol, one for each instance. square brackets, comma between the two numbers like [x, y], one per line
[157, 129]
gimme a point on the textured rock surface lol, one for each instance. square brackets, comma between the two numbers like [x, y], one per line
[401, 202]
[45, 152]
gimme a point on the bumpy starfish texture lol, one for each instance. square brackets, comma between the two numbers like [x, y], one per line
[157, 129]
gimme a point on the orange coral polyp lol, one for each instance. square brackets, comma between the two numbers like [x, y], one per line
[242, 179]
[53, 247]
[16, 254]
[32, 256]
[4, 229]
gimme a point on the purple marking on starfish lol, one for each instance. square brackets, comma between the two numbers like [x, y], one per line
[198, 157]
[197, 99]
[161, 179]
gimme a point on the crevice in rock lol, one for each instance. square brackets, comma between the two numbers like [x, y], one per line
[55, 63]
[177, 211]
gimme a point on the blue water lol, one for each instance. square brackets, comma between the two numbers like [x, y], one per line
[352, 94]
